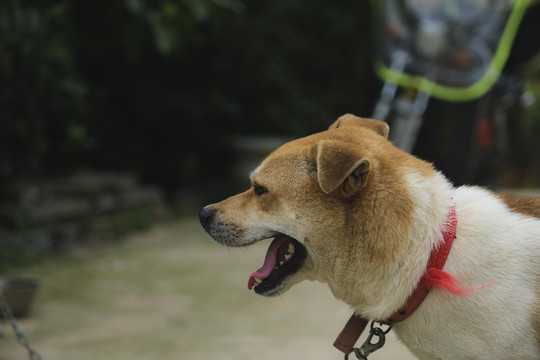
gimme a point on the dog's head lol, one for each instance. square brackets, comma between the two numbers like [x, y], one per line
[316, 197]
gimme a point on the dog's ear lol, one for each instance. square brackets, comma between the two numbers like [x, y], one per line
[380, 127]
[341, 166]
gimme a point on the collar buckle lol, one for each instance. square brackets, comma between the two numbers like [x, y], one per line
[375, 340]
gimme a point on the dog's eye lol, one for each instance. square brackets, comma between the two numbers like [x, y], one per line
[259, 189]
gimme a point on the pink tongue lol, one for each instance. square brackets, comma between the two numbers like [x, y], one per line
[270, 261]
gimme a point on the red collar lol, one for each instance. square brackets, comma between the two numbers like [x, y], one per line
[434, 276]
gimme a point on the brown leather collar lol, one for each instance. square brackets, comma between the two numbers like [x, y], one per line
[356, 324]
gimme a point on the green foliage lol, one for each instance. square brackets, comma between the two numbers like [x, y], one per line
[157, 87]
[136, 220]
[171, 22]
[531, 123]
[17, 251]
[42, 96]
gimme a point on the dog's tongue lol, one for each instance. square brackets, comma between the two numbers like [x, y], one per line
[270, 261]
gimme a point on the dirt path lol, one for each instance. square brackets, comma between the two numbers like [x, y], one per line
[172, 293]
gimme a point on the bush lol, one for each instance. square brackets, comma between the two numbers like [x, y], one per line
[157, 87]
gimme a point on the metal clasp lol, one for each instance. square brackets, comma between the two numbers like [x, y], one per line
[375, 340]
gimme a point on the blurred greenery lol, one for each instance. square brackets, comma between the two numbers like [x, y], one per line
[42, 96]
[156, 87]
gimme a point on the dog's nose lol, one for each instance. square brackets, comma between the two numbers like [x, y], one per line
[206, 215]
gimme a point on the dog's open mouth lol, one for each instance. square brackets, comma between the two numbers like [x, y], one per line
[283, 258]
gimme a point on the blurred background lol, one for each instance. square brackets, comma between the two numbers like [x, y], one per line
[149, 102]
[116, 116]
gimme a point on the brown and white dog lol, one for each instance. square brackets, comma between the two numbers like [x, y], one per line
[347, 208]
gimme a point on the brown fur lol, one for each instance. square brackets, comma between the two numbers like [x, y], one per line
[379, 200]
[526, 205]
[536, 313]
[393, 204]
[379, 127]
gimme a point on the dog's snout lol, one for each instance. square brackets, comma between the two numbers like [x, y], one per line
[206, 215]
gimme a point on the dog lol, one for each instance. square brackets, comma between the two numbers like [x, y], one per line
[347, 208]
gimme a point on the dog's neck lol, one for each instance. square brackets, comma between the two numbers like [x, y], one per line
[433, 276]
[380, 290]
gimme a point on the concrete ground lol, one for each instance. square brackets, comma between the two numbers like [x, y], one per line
[172, 293]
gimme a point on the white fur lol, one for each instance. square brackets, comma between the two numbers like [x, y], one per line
[493, 245]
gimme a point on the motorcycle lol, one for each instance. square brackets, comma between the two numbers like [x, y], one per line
[445, 94]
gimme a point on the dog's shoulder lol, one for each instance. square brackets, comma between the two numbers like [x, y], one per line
[526, 205]
[479, 197]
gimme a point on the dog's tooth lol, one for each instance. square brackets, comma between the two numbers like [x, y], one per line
[257, 280]
[287, 257]
[281, 263]
[291, 248]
